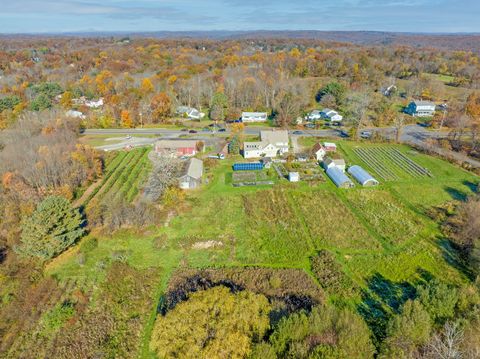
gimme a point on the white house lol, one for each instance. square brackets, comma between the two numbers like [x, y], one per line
[319, 151]
[420, 108]
[254, 116]
[278, 138]
[271, 144]
[314, 115]
[191, 112]
[259, 149]
[338, 163]
[192, 177]
[75, 114]
[331, 115]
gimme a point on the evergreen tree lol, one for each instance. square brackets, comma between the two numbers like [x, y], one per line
[53, 227]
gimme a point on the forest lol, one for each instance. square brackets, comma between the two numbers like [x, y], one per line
[103, 256]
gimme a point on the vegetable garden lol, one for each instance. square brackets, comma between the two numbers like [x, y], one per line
[124, 175]
[390, 164]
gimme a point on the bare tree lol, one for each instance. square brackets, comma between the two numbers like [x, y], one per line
[164, 174]
[446, 345]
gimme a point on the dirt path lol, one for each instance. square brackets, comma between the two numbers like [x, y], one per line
[87, 193]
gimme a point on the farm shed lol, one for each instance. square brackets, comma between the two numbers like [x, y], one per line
[362, 176]
[250, 166]
[293, 176]
[339, 178]
[338, 162]
[330, 147]
[192, 177]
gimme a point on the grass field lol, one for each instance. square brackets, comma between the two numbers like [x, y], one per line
[379, 236]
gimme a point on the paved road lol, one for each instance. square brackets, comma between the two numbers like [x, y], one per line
[411, 134]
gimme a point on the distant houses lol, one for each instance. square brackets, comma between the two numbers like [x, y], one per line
[254, 117]
[75, 114]
[192, 176]
[190, 112]
[326, 114]
[271, 144]
[331, 115]
[420, 109]
[176, 148]
[82, 101]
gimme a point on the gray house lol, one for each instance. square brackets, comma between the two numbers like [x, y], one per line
[192, 177]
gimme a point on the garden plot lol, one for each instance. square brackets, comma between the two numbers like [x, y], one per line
[123, 176]
[390, 164]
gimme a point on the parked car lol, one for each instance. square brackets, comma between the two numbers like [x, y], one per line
[310, 125]
[222, 130]
[366, 134]
[192, 131]
[297, 132]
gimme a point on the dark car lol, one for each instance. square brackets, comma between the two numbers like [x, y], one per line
[222, 130]
[192, 131]
[297, 132]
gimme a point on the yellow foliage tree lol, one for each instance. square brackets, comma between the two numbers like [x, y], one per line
[126, 119]
[212, 324]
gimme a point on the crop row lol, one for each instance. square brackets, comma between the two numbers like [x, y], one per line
[139, 177]
[129, 179]
[376, 164]
[109, 171]
[389, 163]
[120, 175]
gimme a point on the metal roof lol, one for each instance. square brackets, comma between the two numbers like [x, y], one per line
[195, 168]
[362, 176]
[339, 178]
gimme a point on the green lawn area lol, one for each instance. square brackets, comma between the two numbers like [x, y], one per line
[374, 233]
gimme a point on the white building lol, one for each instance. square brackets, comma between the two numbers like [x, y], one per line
[314, 115]
[254, 116]
[420, 108]
[338, 163]
[272, 144]
[75, 114]
[192, 177]
[191, 112]
[319, 151]
[331, 115]
[294, 177]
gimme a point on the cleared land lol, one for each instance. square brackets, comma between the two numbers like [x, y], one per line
[379, 237]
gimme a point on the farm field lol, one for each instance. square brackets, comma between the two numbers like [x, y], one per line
[124, 174]
[378, 236]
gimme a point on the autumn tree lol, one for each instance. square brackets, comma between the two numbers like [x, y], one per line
[147, 86]
[335, 89]
[53, 227]
[161, 107]
[214, 323]
[126, 119]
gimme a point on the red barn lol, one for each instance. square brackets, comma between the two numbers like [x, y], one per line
[176, 148]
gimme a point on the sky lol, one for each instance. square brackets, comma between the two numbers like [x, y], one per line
[59, 16]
